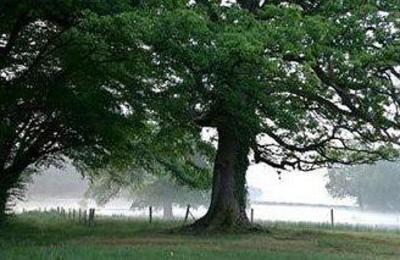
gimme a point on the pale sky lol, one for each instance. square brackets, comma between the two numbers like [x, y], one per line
[304, 187]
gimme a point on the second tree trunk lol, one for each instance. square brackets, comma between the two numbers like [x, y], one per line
[167, 210]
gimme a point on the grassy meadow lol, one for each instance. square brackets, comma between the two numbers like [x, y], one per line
[49, 236]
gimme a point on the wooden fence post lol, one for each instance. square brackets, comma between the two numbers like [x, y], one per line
[85, 217]
[252, 216]
[187, 213]
[332, 219]
[91, 217]
[150, 214]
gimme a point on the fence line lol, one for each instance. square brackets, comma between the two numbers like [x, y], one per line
[331, 217]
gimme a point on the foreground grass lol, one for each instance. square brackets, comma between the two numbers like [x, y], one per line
[39, 236]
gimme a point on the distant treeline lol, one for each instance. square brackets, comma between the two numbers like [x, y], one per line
[374, 186]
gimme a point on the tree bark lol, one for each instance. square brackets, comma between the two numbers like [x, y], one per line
[167, 210]
[10, 185]
[227, 209]
[3, 203]
[6, 186]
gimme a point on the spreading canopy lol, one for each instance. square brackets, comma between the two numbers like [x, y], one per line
[56, 98]
[312, 82]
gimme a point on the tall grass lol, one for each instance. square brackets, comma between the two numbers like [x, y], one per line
[50, 235]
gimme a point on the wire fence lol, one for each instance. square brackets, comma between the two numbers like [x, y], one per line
[257, 213]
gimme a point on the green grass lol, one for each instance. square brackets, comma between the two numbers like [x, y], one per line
[47, 236]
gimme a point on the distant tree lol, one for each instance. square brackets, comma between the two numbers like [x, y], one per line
[158, 192]
[164, 193]
[373, 186]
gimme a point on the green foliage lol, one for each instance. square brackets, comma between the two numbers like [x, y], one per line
[373, 186]
[311, 83]
[56, 98]
[71, 86]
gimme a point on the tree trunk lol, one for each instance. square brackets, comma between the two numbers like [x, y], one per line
[3, 203]
[11, 184]
[167, 210]
[6, 187]
[227, 211]
[10, 187]
[360, 202]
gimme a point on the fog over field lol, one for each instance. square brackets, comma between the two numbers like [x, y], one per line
[290, 196]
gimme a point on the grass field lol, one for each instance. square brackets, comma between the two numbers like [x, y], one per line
[40, 236]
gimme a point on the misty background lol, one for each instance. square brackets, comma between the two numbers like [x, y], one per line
[284, 196]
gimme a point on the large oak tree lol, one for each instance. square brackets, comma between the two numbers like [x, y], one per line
[294, 84]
